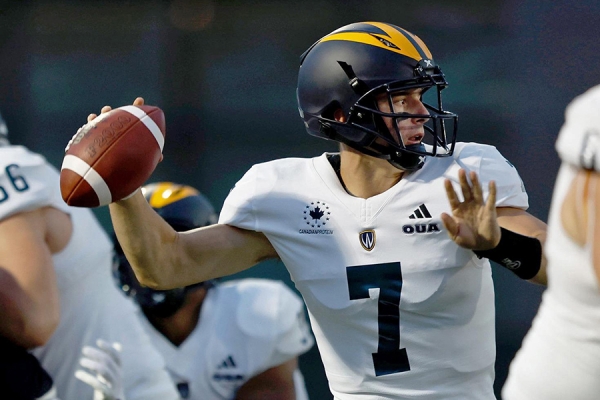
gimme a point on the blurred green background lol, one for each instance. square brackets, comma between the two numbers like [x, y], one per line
[225, 71]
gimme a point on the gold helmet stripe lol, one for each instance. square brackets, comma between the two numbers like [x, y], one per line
[164, 193]
[402, 42]
[396, 31]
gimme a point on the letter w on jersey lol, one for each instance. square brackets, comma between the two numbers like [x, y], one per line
[367, 239]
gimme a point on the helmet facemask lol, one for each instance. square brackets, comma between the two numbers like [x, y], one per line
[366, 131]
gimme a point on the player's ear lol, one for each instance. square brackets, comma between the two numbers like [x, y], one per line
[339, 115]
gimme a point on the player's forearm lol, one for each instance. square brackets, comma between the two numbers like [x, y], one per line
[523, 223]
[146, 240]
[25, 322]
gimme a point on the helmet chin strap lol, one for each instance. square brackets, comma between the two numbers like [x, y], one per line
[406, 161]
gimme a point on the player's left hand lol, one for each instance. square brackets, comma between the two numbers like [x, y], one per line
[473, 223]
[104, 362]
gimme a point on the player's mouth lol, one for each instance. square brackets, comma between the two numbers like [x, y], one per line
[413, 139]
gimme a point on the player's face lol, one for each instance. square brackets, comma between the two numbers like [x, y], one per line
[411, 129]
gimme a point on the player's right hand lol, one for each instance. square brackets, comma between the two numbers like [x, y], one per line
[139, 101]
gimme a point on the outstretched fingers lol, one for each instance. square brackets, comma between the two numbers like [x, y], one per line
[451, 225]
[476, 188]
[451, 194]
[467, 191]
[490, 204]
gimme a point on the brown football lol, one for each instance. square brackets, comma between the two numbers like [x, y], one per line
[111, 156]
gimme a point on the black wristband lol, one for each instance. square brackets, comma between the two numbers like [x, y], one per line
[518, 253]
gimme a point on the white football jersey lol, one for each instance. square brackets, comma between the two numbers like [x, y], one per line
[245, 327]
[91, 306]
[397, 308]
[559, 357]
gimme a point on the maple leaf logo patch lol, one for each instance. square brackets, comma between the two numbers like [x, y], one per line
[316, 214]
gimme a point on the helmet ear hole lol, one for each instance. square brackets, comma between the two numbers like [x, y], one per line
[339, 115]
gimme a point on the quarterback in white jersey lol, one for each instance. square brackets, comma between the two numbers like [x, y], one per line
[560, 355]
[404, 310]
[221, 341]
[388, 240]
[90, 306]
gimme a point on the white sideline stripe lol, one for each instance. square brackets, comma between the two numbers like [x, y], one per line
[90, 175]
[150, 124]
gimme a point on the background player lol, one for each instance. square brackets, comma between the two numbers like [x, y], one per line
[559, 358]
[60, 259]
[399, 308]
[28, 317]
[233, 340]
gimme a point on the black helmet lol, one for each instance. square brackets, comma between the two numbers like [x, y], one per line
[184, 208]
[348, 68]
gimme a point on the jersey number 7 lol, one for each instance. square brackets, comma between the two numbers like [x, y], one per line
[389, 358]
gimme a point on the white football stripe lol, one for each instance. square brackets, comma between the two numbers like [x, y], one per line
[90, 175]
[150, 124]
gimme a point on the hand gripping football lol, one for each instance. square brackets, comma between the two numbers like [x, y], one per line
[110, 157]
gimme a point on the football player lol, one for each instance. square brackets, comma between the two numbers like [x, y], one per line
[388, 240]
[62, 295]
[29, 309]
[559, 357]
[233, 340]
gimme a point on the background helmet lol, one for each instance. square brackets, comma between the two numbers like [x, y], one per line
[184, 208]
[3, 132]
[348, 68]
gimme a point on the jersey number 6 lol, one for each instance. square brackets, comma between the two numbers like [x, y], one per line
[390, 358]
[17, 182]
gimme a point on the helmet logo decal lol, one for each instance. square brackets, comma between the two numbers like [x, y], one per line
[386, 42]
[316, 216]
[367, 239]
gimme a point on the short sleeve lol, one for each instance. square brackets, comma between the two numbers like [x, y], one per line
[491, 165]
[237, 209]
[578, 141]
[27, 182]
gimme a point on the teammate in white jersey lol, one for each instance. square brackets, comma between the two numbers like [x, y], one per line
[61, 258]
[221, 341]
[384, 251]
[560, 355]
[28, 307]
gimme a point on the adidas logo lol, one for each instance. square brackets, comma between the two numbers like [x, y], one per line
[227, 363]
[421, 212]
[229, 376]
